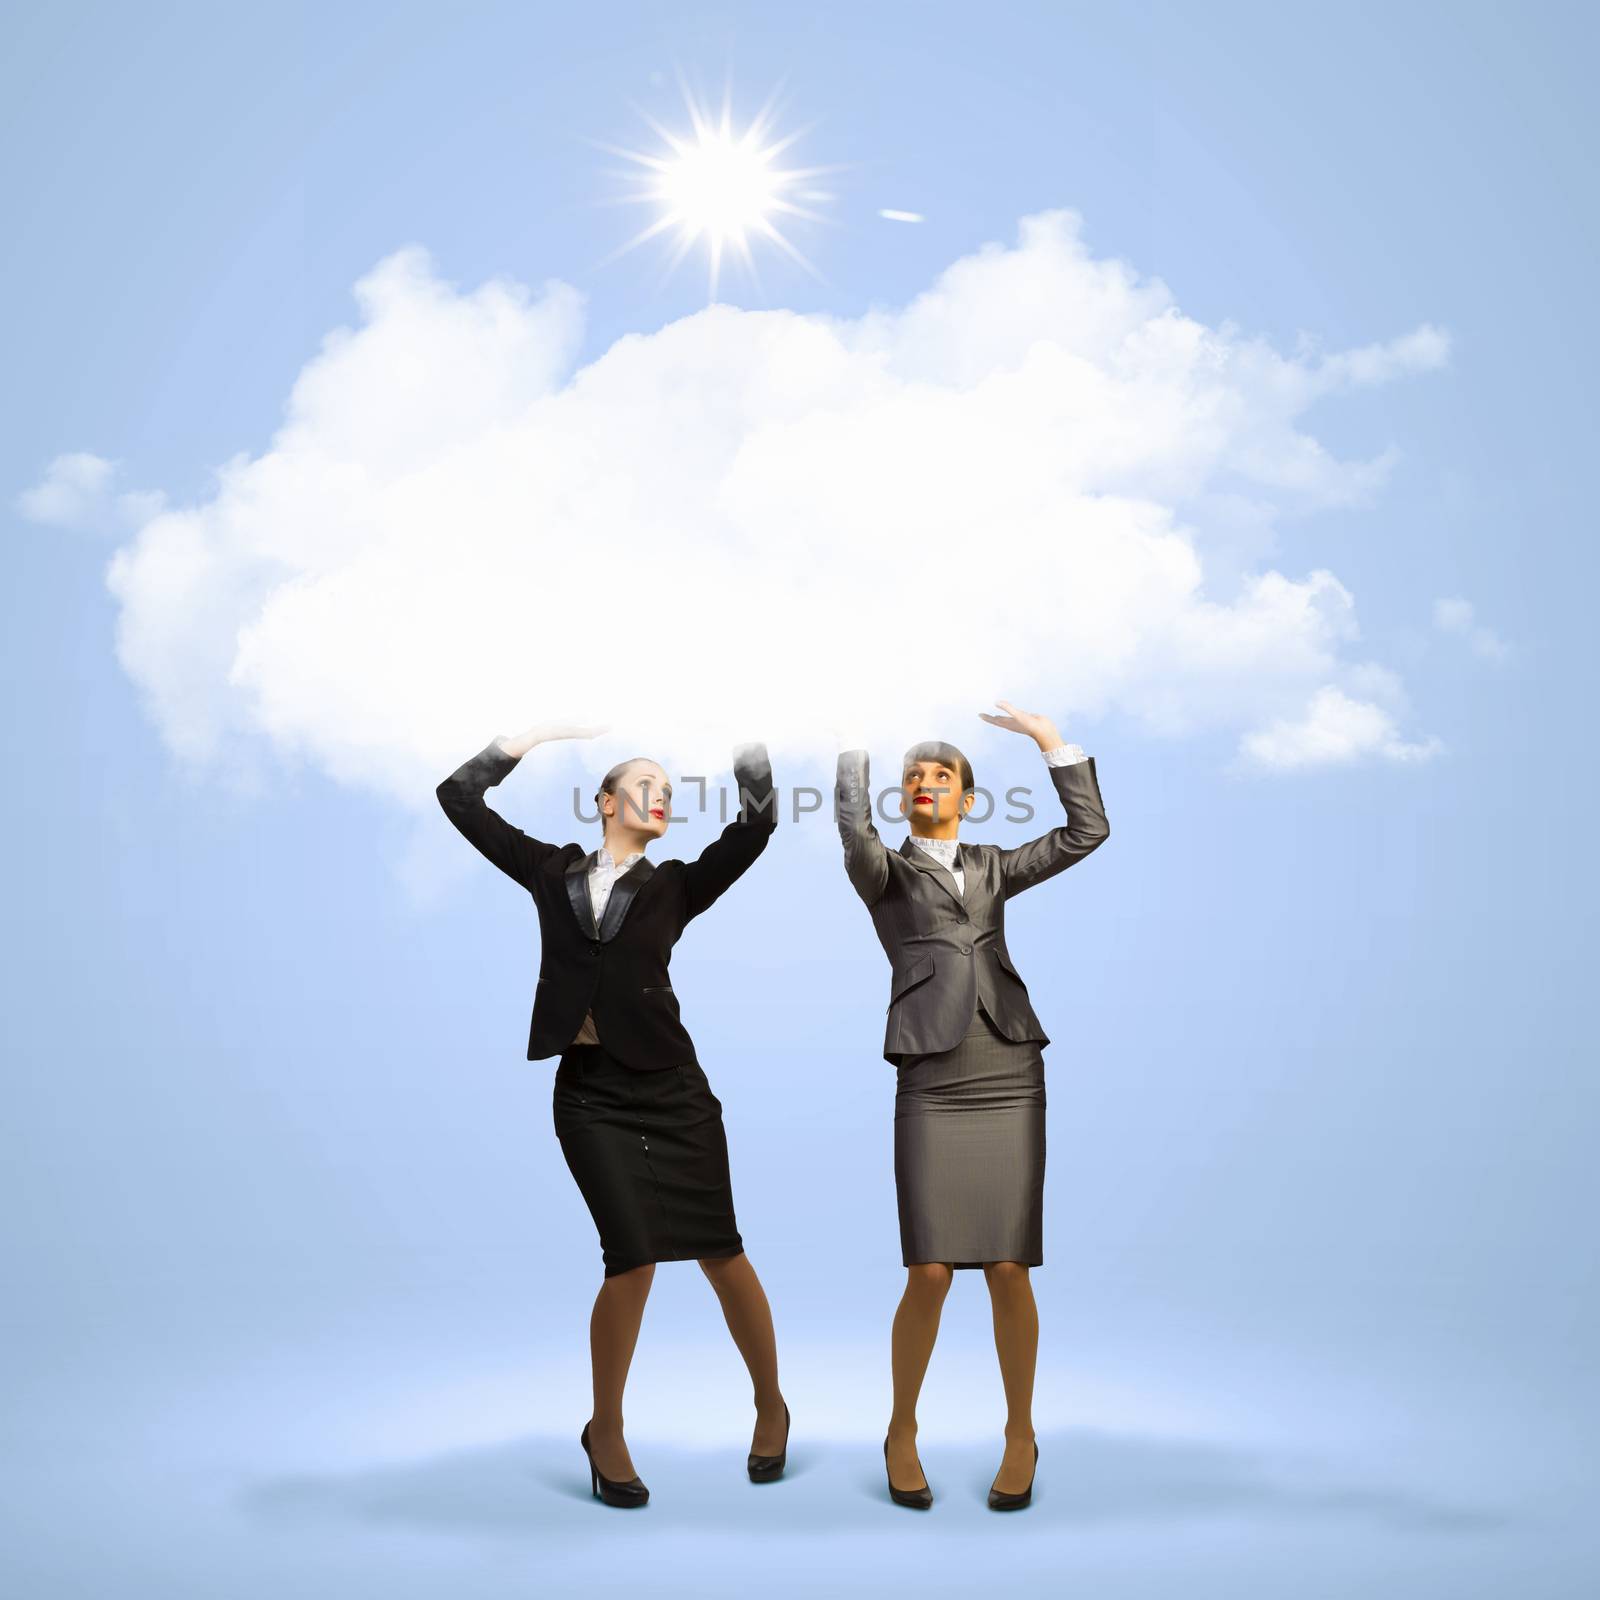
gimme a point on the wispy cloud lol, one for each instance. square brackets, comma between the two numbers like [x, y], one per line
[1457, 616]
[77, 491]
[1039, 480]
[1334, 730]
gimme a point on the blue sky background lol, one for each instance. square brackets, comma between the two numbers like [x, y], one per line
[297, 1281]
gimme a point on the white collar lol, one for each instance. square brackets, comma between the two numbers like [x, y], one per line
[606, 859]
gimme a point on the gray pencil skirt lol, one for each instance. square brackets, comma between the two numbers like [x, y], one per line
[969, 1151]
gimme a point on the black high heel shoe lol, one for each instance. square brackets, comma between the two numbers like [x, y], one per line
[917, 1499]
[764, 1469]
[612, 1490]
[999, 1500]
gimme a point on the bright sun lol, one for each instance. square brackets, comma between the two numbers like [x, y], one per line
[722, 187]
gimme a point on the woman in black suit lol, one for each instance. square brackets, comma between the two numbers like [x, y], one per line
[639, 1126]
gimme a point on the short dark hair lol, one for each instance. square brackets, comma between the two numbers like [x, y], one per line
[608, 784]
[946, 755]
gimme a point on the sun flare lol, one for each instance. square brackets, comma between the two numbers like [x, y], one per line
[720, 186]
[723, 187]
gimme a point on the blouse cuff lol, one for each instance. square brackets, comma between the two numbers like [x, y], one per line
[1064, 755]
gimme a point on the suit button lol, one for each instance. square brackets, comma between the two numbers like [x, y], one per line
[966, 949]
[594, 944]
[962, 917]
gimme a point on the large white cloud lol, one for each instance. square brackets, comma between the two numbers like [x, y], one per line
[1039, 480]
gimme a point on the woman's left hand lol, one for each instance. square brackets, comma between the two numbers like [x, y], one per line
[1039, 728]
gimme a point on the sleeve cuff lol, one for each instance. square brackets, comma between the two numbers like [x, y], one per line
[751, 761]
[1064, 755]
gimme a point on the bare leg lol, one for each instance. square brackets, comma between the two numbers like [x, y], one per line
[916, 1326]
[613, 1332]
[749, 1319]
[1016, 1342]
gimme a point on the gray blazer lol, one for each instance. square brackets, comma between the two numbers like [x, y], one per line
[948, 951]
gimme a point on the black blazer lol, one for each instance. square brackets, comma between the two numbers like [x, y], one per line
[618, 970]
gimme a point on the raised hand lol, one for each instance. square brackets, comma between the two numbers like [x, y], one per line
[1037, 726]
[544, 732]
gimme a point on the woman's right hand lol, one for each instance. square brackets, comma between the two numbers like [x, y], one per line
[544, 732]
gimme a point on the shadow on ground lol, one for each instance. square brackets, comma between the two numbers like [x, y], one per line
[539, 1485]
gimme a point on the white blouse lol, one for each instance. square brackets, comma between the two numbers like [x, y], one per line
[602, 875]
[944, 850]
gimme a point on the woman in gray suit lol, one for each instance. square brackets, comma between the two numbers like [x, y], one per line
[969, 1139]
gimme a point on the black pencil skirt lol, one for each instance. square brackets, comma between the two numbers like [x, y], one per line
[650, 1158]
